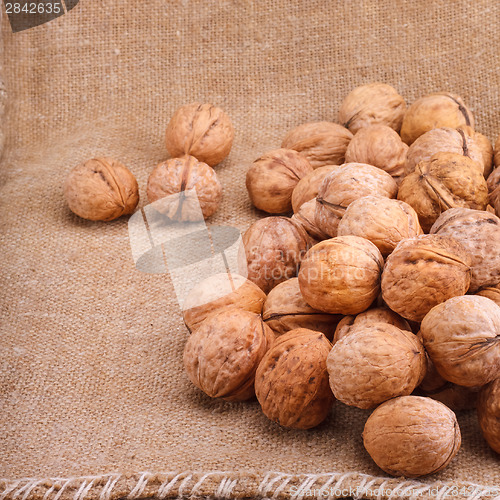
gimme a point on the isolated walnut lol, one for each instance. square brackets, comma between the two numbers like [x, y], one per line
[218, 292]
[291, 383]
[493, 184]
[422, 272]
[272, 178]
[222, 355]
[462, 337]
[341, 275]
[273, 249]
[200, 130]
[375, 362]
[486, 152]
[412, 436]
[444, 140]
[367, 318]
[380, 146]
[383, 221]
[188, 189]
[346, 184]
[447, 180]
[488, 412]
[479, 233]
[306, 217]
[491, 292]
[322, 143]
[441, 109]
[372, 104]
[101, 189]
[307, 188]
[285, 309]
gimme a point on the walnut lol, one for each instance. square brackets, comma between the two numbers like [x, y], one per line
[383, 221]
[373, 363]
[285, 309]
[341, 275]
[493, 184]
[445, 181]
[101, 189]
[412, 436]
[492, 292]
[222, 355]
[367, 318]
[322, 143]
[272, 178]
[488, 412]
[372, 104]
[307, 188]
[380, 146]
[306, 217]
[486, 152]
[462, 337]
[218, 292]
[424, 271]
[496, 156]
[479, 233]
[200, 130]
[291, 382]
[441, 109]
[346, 184]
[274, 247]
[184, 185]
[444, 140]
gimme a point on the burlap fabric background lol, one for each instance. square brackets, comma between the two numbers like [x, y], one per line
[94, 400]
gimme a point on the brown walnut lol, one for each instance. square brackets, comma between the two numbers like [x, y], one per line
[493, 184]
[291, 383]
[101, 189]
[306, 217]
[200, 130]
[373, 363]
[184, 186]
[479, 233]
[422, 272]
[218, 292]
[486, 152]
[222, 355]
[491, 292]
[412, 436]
[488, 412]
[447, 180]
[272, 178]
[285, 309]
[307, 188]
[346, 184]
[341, 275]
[462, 337]
[441, 109]
[496, 156]
[372, 104]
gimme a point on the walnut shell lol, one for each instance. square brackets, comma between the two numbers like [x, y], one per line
[422, 272]
[488, 412]
[222, 355]
[447, 180]
[306, 217]
[273, 249]
[372, 104]
[101, 189]
[444, 140]
[341, 187]
[479, 233]
[341, 275]
[200, 130]
[184, 186]
[291, 382]
[412, 436]
[383, 221]
[285, 309]
[491, 292]
[374, 363]
[307, 188]
[486, 152]
[462, 337]
[496, 156]
[218, 292]
[367, 318]
[322, 143]
[380, 146]
[441, 109]
[493, 184]
[272, 178]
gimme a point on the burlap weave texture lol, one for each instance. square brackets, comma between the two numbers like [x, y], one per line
[94, 402]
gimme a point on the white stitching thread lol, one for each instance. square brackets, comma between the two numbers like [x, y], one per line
[183, 485]
[167, 486]
[140, 486]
